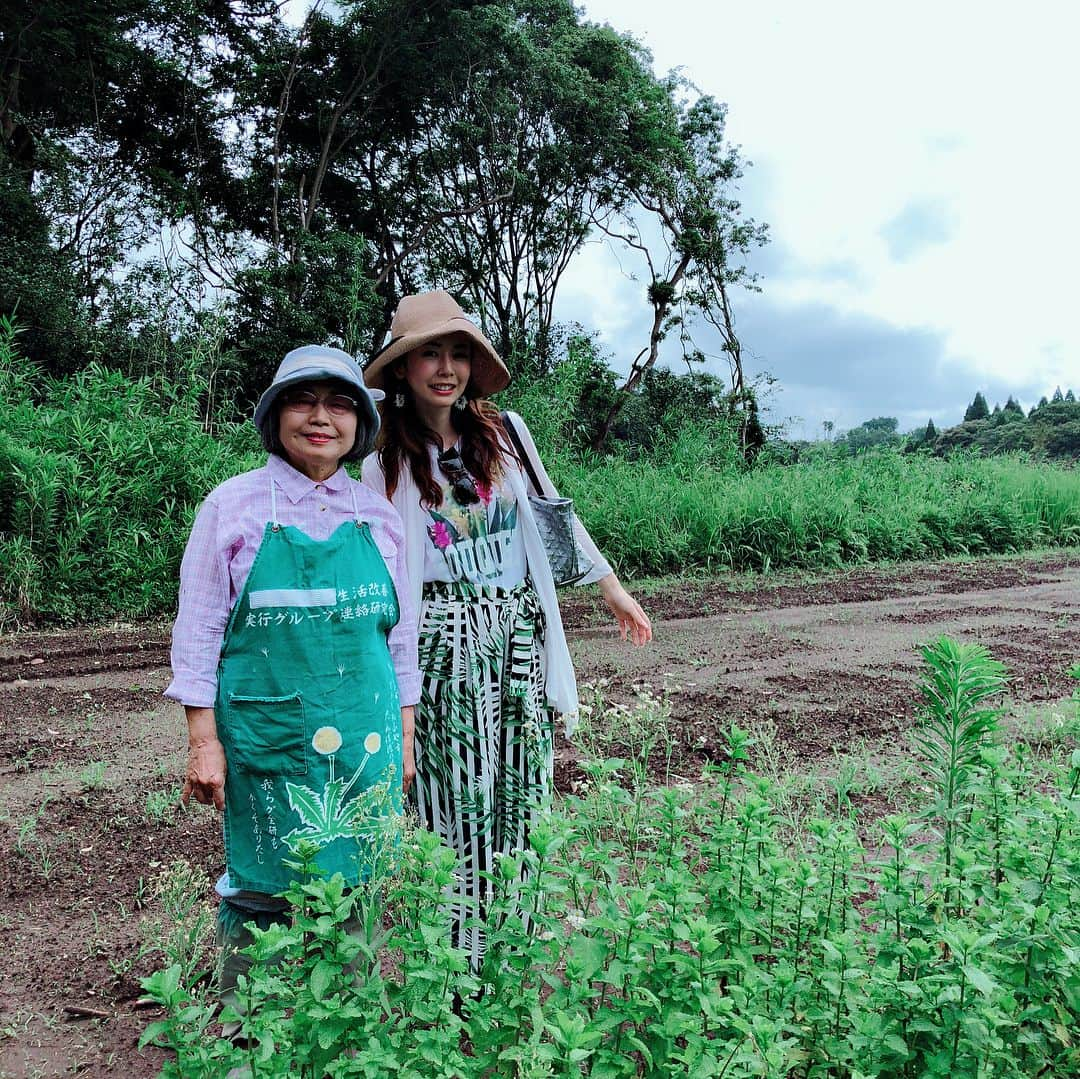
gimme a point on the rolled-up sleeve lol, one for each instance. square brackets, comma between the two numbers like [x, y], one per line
[203, 611]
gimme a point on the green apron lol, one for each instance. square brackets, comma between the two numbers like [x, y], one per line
[308, 708]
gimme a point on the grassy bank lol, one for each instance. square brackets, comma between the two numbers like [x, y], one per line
[655, 517]
[100, 476]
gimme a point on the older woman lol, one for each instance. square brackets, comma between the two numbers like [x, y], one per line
[294, 650]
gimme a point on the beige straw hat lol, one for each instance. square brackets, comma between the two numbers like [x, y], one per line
[428, 315]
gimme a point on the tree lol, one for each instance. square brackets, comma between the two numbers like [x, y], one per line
[682, 184]
[471, 144]
[880, 431]
[978, 409]
[532, 142]
[1062, 441]
[930, 435]
[111, 121]
[1011, 412]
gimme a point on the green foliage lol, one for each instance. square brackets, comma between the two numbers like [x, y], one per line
[551, 398]
[112, 122]
[100, 476]
[956, 727]
[666, 932]
[1051, 430]
[323, 293]
[871, 434]
[663, 514]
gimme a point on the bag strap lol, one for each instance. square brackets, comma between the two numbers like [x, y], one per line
[523, 457]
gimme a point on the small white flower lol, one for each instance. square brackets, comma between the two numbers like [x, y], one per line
[326, 740]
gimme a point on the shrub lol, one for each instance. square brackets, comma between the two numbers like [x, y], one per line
[100, 477]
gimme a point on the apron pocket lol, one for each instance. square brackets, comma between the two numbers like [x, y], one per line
[268, 735]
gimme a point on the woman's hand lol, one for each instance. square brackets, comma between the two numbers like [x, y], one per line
[633, 622]
[408, 759]
[206, 765]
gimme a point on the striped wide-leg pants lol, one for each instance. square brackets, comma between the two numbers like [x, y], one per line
[483, 734]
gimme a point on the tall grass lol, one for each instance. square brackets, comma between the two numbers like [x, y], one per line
[101, 474]
[663, 515]
[100, 477]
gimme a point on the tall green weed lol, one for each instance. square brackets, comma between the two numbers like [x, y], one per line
[677, 509]
[100, 476]
[675, 932]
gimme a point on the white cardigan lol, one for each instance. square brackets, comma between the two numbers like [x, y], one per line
[561, 685]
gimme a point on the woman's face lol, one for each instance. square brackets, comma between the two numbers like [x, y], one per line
[437, 373]
[317, 426]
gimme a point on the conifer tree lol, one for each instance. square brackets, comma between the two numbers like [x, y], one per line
[978, 409]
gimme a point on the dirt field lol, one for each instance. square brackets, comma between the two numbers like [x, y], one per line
[90, 754]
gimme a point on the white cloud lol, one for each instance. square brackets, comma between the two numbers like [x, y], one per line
[863, 119]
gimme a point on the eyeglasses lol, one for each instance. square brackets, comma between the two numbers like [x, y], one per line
[337, 404]
[461, 483]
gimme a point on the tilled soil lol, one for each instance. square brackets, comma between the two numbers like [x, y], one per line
[90, 754]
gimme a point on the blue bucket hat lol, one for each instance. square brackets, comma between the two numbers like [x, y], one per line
[313, 363]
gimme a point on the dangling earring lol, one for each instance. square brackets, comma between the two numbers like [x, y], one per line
[399, 400]
[461, 403]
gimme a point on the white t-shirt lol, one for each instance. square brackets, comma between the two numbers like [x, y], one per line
[480, 543]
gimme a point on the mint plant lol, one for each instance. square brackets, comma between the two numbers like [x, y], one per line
[674, 931]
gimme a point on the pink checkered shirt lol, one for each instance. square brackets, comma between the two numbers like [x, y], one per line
[224, 541]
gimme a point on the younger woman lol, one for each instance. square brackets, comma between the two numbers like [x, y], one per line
[493, 657]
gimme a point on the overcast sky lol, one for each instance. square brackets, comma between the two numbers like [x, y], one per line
[918, 166]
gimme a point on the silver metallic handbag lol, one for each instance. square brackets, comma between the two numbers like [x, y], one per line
[554, 521]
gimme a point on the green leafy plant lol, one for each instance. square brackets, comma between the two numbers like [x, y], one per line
[673, 931]
[956, 728]
[160, 806]
[92, 777]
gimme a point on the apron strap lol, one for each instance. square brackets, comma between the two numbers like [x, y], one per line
[355, 508]
[273, 505]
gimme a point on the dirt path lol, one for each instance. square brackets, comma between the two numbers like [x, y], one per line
[90, 753]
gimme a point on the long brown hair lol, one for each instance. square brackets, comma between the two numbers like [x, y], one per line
[404, 441]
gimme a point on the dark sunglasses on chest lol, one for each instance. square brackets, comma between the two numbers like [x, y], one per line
[461, 483]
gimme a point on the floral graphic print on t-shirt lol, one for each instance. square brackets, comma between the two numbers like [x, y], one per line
[477, 543]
